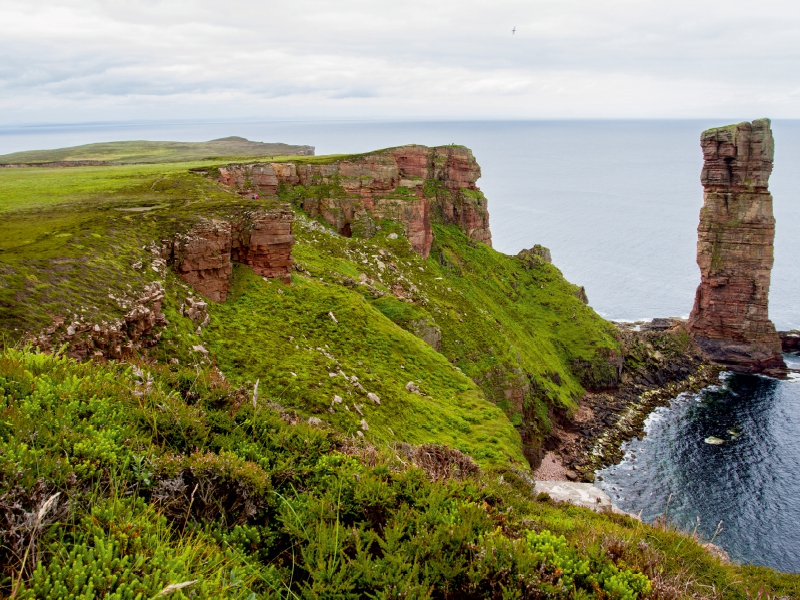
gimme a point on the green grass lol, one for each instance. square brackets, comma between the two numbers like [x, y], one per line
[141, 151]
[173, 475]
[68, 237]
[170, 476]
[71, 236]
[284, 336]
[516, 328]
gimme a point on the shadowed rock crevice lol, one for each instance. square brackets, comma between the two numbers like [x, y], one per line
[729, 321]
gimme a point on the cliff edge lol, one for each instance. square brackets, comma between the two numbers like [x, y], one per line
[410, 184]
[729, 320]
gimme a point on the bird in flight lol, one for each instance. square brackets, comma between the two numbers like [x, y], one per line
[513, 31]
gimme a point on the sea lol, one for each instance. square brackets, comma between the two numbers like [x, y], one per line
[617, 203]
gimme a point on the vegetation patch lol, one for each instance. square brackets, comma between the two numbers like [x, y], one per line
[329, 514]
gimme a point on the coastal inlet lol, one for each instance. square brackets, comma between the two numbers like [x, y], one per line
[727, 453]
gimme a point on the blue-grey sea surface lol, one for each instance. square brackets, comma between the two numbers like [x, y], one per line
[617, 202]
[749, 482]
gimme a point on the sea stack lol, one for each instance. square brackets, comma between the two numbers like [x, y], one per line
[729, 320]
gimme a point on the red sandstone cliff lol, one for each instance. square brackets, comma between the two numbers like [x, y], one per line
[260, 239]
[409, 184]
[729, 320]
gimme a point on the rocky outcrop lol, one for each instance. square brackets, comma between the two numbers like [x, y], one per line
[263, 241]
[790, 340]
[535, 256]
[428, 331]
[202, 257]
[264, 178]
[120, 338]
[408, 184]
[729, 320]
[260, 239]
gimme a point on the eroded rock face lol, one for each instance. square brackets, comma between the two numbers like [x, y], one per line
[202, 257]
[264, 177]
[120, 338]
[263, 241]
[260, 239]
[409, 184]
[729, 320]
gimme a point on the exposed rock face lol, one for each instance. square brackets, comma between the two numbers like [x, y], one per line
[729, 320]
[116, 339]
[202, 258]
[409, 184]
[428, 332]
[261, 239]
[790, 340]
[265, 178]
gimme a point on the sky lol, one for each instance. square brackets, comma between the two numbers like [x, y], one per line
[89, 60]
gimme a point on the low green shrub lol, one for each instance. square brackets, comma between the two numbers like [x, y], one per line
[269, 507]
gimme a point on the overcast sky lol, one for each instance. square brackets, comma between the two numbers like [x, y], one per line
[80, 60]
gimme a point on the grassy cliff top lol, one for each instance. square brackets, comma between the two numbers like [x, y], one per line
[141, 151]
[172, 471]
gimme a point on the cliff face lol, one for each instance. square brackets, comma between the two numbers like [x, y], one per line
[260, 239]
[410, 184]
[729, 320]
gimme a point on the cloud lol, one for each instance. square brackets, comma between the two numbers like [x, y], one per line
[66, 59]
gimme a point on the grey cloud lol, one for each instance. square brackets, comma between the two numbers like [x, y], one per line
[674, 55]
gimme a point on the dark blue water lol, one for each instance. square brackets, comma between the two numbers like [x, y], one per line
[617, 202]
[751, 482]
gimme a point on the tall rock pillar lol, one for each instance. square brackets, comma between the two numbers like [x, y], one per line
[729, 320]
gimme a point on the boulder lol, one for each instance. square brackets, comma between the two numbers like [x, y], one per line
[790, 340]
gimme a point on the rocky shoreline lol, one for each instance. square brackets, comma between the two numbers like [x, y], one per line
[660, 362]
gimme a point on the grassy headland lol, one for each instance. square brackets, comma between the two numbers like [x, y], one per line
[132, 152]
[171, 470]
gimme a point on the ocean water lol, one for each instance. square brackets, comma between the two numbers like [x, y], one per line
[617, 202]
[748, 483]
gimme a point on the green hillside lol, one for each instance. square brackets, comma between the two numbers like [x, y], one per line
[171, 469]
[141, 480]
[141, 151]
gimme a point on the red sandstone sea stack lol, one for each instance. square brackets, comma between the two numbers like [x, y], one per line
[729, 320]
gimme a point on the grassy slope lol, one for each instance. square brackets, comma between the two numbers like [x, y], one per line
[79, 251]
[68, 237]
[496, 314]
[284, 336]
[71, 238]
[155, 462]
[153, 152]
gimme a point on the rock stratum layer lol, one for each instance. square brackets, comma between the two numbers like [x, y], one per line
[409, 184]
[729, 320]
[204, 256]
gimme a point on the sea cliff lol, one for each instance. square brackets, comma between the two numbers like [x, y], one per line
[252, 385]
